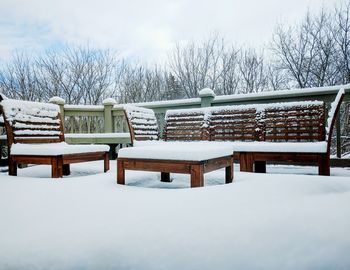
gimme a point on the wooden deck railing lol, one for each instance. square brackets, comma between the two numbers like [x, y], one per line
[108, 117]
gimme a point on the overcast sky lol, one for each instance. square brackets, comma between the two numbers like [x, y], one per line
[144, 30]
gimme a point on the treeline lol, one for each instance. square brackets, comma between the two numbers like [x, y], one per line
[315, 52]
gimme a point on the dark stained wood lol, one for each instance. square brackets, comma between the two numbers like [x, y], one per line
[106, 162]
[34, 130]
[12, 166]
[260, 166]
[246, 162]
[291, 122]
[197, 175]
[157, 165]
[66, 169]
[324, 165]
[186, 126]
[229, 173]
[195, 168]
[120, 172]
[56, 167]
[213, 164]
[165, 177]
[142, 126]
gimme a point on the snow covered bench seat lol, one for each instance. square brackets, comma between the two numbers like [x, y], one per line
[35, 136]
[55, 149]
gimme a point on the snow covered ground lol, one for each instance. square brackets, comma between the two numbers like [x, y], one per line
[281, 220]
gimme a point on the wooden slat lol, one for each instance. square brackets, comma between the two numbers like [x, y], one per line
[291, 137]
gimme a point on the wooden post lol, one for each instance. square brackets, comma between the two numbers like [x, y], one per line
[108, 118]
[12, 167]
[66, 169]
[197, 176]
[337, 126]
[246, 162]
[229, 173]
[56, 167]
[120, 173]
[260, 166]
[60, 102]
[165, 177]
[207, 96]
[106, 162]
[324, 165]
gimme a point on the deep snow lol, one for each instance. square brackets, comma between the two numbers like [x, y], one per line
[261, 221]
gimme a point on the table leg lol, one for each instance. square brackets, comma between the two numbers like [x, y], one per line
[120, 173]
[197, 176]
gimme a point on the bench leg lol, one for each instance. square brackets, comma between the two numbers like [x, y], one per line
[120, 172]
[246, 162]
[260, 166]
[12, 167]
[66, 169]
[197, 176]
[56, 167]
[324, 165]
[106, 162]
[165, 177]
[229, 174]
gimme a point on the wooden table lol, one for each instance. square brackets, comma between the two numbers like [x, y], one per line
[195, 168]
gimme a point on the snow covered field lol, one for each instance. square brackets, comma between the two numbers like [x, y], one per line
[280, 220]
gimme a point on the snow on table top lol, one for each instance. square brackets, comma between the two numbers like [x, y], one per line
[97, 135]
[55, 149]
[189, 151]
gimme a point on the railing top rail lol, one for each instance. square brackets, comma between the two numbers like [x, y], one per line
[287, 93]
[163, 103]
[265, 95]
[69, 107]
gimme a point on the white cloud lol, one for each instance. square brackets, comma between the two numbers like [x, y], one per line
[142, 29]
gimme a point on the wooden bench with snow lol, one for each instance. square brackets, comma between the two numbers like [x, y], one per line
[290, 131]
[35, 136]
[194, 158]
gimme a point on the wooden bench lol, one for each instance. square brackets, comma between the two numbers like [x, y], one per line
[290, 131]
[35, 136]
[172, 157]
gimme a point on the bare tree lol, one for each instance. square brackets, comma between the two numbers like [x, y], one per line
[197, 66]
[253, 75]
[18, 79]
[341, 36]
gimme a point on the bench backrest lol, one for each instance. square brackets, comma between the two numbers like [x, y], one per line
[302, 121]
[293, 122]
[31, 122]
[289, 121]
[186, 125]
[142, 123]
[233, 123]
